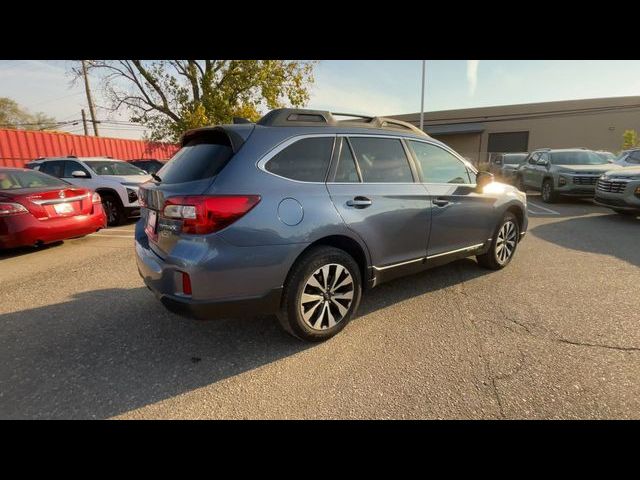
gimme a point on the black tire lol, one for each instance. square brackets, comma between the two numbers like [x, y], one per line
[520, 184]
[290, 314]
[548, 193]
[492, 259]
[113, 209]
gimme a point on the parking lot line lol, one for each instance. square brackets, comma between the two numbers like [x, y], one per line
[110, 236]
[553, 212]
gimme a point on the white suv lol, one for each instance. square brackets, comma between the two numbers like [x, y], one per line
[116, 181]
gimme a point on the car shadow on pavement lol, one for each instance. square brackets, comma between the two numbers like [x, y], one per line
[106, 352]
[17, 252]
[616, 235]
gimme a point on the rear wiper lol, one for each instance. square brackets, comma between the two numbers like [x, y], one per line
[156, 177]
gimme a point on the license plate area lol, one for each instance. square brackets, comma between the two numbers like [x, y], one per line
[64, 208]
[152, 224]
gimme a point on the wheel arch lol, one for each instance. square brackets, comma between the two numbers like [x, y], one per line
[109, 191]
[346, 243]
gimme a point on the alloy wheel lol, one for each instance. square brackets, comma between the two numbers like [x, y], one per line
[506, 242]
[327, 296]
[110, 209]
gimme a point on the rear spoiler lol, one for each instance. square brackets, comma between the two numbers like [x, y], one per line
[235, 134]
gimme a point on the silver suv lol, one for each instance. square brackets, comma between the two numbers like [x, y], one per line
[556, 172]
[300, 212]
[620, 190]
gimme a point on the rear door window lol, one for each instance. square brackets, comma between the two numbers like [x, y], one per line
[381, 160]
[306, 160]
[203, 157]
[54, 168]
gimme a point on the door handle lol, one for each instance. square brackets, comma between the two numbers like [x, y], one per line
[440, 202]
[359, 202]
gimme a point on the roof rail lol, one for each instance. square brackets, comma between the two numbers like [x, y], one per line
[282, 117]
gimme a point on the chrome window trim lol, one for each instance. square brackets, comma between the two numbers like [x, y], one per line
[260, 164]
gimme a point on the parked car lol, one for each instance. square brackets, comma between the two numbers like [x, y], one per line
[504, 165]
[116, 181]
[629, 158]
[556, 172]
[608, 156]
[149, 165]
[298, 213]
[36, 209]
[619, 190]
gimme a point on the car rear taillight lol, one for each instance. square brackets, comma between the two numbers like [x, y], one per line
[8, 208]
[208, 213]
[95, 198]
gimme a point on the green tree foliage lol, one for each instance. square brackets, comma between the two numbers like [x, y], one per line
[630, 139]
[15, 117]
[172, 96]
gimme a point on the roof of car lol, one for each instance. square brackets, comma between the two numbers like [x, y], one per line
[105, 159]
[298, 118]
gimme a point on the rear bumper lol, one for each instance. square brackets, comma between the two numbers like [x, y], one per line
[226, 280]
[25, 230]
[268, 303]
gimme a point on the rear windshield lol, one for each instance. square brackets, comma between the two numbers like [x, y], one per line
[200, 158]
[12, 180]
[107, 167]
[576, 158]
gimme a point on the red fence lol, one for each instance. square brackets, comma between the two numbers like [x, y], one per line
[18, 147]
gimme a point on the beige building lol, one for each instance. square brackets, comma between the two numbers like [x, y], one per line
[477, 132]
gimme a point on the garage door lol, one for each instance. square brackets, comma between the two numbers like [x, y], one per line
[508, 142]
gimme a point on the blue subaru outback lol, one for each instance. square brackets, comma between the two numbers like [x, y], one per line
[300, 212]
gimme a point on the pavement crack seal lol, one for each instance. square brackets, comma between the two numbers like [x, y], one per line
[597, 345]
[491, 378]
[548, 335]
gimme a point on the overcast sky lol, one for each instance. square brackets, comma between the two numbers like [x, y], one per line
[367, 87]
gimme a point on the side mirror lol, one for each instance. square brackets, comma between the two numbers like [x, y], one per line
[483, 179]
[79, 174]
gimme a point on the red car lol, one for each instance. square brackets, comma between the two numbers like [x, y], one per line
[36, 208]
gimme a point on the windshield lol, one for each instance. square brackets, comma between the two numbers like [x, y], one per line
[107, 167]
[514, 158]
[608, 156]
[14, 179]
[580, 157]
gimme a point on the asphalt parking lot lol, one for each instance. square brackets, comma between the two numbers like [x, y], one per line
[554, 335]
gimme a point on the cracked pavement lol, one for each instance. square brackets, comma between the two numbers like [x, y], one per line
[554, 335]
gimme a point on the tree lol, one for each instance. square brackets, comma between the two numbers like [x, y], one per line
[172, 96]
[14, 117]
[630, 139]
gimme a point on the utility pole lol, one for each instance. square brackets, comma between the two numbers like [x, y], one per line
[84, 122]
[422, 97]
[92, 110]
